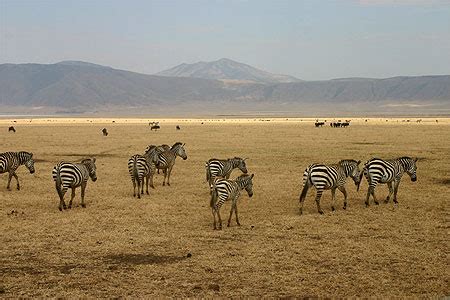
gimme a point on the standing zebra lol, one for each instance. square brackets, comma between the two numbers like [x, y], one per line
[390, 172]
[167, 160]
[142, 168]
[226, 189]
[10, 161]
[324, 177]
[223, 168]
[160, 149]
[72, 175]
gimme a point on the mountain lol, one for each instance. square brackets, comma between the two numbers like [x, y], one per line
[77, 87]
[226, 69]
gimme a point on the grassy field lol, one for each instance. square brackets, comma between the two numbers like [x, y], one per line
[164, 245]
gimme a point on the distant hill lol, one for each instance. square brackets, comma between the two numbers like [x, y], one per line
[77, 87]
[226, 69]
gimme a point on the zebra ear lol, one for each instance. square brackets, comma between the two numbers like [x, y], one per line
[358, 162]
[245, 159]
[184, 144]
[251, 176]
[31, 154]
[416, 159]
[93, 159]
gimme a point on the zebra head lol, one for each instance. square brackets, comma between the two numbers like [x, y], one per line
[351, 168]
[409, 165]
[179, 150]
[245, 181]
[29, 163]
[90, 165]
[240, 163]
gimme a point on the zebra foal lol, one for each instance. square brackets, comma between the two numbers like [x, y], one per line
[72, 175]
[10, 161]
[390, 172]
[225, 189]
[325, 177]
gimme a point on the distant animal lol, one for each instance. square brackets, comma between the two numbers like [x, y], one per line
[345, 124]
[317, 124]
[160, 149]
[142, 169]
[10, 161]
[325, 177]
[225, 189]
[155, 127]
[11, 128]
[223, 168]
[336, 124]
[105, 132]
[167, 160]
[178, 127]
[72, 175]
[390, 172]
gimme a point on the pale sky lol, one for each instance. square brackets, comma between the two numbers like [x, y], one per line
[312, 40]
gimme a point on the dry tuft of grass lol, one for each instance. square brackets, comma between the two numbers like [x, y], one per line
[163, 245]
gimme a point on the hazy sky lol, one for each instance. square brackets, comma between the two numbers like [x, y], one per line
[311, 40]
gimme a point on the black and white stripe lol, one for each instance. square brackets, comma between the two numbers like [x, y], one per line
[223, 168]
[226, 189]
[72, 175]
[325, 177]
[167, 160]
[142, 168]
[10, 161]
[390, 172]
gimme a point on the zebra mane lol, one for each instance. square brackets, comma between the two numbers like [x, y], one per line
[176, 144]
[26, 153]
[344, 161]
[405, 157]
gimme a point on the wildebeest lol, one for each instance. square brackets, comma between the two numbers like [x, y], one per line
[345, 124]
[178, 127]
[105, 132]
[317, 124]
[11, 128]
[155, 127]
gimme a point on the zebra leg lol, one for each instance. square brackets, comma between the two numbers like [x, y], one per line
[391, 191]
[231, 214]
[396, 184]
[214, 216]
[236, 214]
[169, 171]
[146, 184]
[71, 198]
[233, 208]
[151, 180]
[142, 185]
[333, 199]
[8, 186]
[303, 196]
[344, 192]
[17, 179]
[62, 204]
[138, 188]
[219, 219]
[83, 188]
[165, 174]
[318, 196]
[134, 187]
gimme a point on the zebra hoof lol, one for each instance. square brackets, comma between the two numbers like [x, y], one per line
[164, 183]
[83, 205]
[367, 204]
[332, 208]
[60, 209]
[8, 188]
[18, 188]
[321, 212]
[152, 186]
[168, 184]
[376, 203]
[344, 208]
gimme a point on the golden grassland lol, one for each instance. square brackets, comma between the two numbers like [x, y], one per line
[164, 245]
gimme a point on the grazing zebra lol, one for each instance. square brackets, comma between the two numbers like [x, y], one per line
[72, 175]
[390, 172]
[167, 160]
[226, 189]
[223, 168]
[10, 161]
[324, 177]
[142, 168]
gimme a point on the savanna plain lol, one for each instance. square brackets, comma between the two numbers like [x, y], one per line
[163, 245]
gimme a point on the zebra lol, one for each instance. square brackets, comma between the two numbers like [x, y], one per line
[226, 189]
[167, 160]
[160, 149]
[325, 177]
[223, 168]
[390, 172]
[142, 168]
[10, 161]
[72, 175]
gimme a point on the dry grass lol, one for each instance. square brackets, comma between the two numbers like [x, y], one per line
[121, 246]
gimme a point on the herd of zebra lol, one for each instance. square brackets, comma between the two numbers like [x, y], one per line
[142, 168]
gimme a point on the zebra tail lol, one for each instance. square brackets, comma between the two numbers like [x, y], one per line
[208, 171]
[135, 172]
[364, 172]
[58, 182]
[214, 196]
[306, 183]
